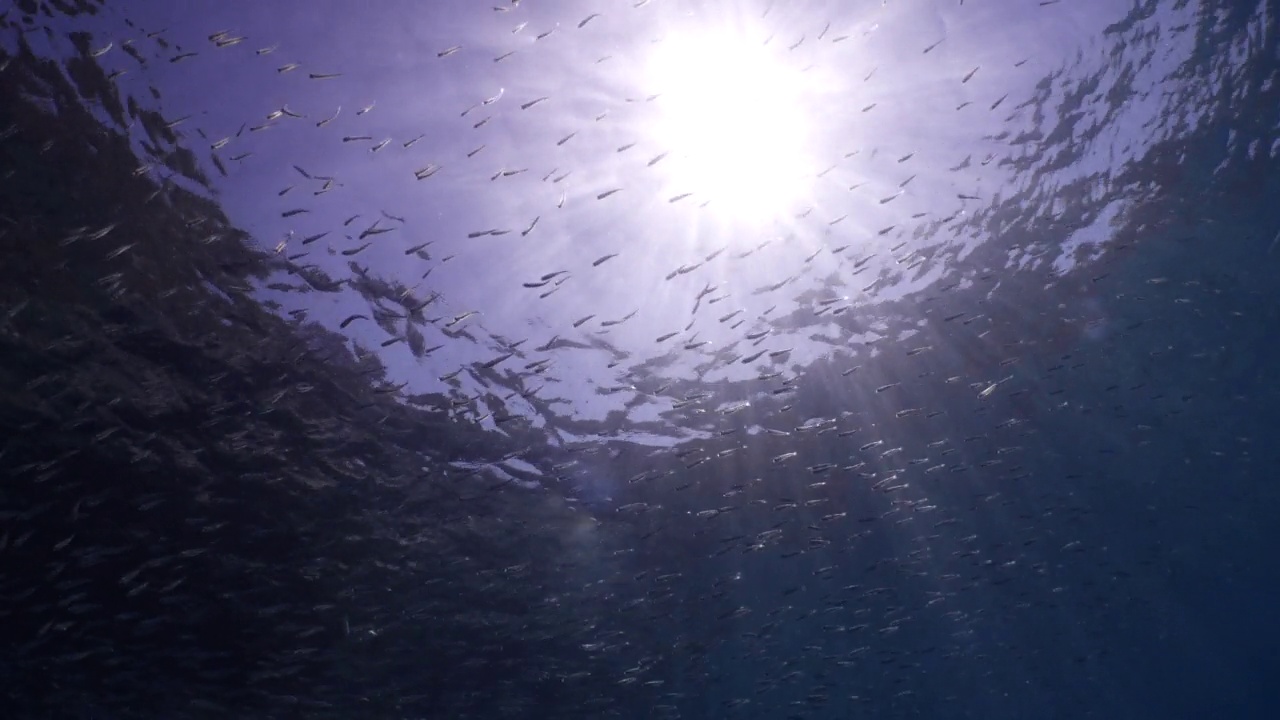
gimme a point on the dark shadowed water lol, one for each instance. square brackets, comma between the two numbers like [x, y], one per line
[627, 359]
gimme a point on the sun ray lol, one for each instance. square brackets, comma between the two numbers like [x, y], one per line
[734, 116]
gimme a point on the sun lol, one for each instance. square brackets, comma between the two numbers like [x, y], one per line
[733, 115]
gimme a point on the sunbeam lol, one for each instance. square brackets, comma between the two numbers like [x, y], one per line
[734, 113]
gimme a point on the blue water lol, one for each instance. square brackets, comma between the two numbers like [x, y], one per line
[992, 440]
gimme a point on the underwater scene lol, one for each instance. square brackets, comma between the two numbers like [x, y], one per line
[639, 359]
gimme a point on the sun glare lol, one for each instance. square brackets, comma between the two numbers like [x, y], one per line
[733, 118]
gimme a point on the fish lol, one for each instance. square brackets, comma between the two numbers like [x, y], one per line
[244, 477]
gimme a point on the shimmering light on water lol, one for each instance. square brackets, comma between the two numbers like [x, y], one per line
[674, 360]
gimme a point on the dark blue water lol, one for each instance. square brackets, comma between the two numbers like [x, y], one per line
[1005, 455]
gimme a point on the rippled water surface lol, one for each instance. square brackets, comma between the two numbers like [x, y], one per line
[638, 359]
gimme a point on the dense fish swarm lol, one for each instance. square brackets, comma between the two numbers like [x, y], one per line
[406, 367]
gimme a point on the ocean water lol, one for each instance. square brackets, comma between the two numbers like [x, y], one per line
[636, 359]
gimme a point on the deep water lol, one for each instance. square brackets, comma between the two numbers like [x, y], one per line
[1012, 462]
